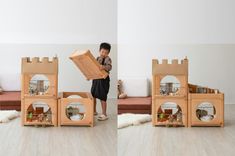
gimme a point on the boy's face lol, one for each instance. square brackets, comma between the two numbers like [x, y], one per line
[104, 52]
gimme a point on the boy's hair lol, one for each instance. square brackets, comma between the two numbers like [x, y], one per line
[106, 46]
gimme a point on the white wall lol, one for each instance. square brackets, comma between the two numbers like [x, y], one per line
[58, 21]
[176, 21]
[209, 65]
[70, 77]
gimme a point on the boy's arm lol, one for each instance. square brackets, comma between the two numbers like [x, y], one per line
[107, 64]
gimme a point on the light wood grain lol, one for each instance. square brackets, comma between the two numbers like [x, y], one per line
[178, 70]
[85, 99]
[101, 140]
[30, 67]
[88, 65]
[217, 100]
[146, 140]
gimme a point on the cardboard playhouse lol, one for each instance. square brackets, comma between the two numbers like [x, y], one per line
[41, 104]
[39, 89]
[175, 102]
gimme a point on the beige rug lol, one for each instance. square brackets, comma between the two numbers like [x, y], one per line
[7, 115]
[128, 119]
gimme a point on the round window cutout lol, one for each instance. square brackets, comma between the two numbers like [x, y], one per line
[38, 85]
[75, 111]
[205, 112]
[169, 85]
[171, 113]
[39, 112]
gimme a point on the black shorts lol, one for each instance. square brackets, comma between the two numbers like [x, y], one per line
[100, 88]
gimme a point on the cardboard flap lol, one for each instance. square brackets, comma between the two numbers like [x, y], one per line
[88, 65]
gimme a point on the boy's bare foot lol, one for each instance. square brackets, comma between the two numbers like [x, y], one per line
[103, 117]
[95, 113]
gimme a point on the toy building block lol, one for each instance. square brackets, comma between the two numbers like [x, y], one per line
[88, 65]
[36, 116]
[180, 71]
[44, 67]
[34, 91]
[70, 114]
[179, 97]
[209, 114]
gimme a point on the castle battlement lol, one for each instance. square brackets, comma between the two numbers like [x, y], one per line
[39, 66]
[173, 68]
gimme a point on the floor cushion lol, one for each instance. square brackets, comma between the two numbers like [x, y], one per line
[137, 105]
[10, 101]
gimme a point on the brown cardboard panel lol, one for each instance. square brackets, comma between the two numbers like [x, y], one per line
[88, 65]
[86, 100]
[37, 66]
[167, 68]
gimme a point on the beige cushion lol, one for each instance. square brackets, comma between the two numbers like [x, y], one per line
[136, 87]
[10, 81]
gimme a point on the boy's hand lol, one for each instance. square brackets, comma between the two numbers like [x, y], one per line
[102, 67]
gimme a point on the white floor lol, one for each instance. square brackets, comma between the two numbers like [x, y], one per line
[146, 140]
[61, 141]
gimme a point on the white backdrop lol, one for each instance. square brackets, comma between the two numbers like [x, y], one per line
[176, 21]
[58, 21]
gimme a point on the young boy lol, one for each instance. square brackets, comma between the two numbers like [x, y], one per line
[100, 87]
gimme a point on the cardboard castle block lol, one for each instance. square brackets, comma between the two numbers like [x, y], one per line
[159, 72]
[88, 65]
[85, 100]
[31, 67]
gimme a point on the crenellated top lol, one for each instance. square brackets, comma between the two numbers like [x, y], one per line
[36, 65]
[44, 60]
[173, 68]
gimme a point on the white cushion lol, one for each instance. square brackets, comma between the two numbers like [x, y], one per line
[136, 87]
[128, 119]
[10, 82]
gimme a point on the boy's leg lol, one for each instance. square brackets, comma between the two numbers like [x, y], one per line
[95, 111]
[104, 107]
